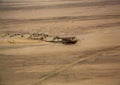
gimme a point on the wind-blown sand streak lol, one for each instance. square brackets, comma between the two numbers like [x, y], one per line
[70, 5]
[64, 18]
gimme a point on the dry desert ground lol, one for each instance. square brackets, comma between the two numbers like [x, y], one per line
[93, 60]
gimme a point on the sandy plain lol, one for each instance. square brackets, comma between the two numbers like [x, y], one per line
[94, 60]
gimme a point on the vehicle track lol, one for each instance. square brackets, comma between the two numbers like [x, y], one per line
[88, 55]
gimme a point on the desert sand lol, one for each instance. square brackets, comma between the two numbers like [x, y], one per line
[93, 60]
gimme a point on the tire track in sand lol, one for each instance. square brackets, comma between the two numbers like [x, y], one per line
[88, 55]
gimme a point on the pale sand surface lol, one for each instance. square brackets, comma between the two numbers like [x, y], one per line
[94, 60]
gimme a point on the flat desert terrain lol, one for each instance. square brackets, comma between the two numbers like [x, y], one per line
[93, 60]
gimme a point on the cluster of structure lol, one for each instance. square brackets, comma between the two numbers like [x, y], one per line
[46, 38]
[56, 39]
